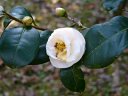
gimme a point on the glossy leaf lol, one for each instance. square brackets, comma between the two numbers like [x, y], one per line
[19, 46]
[105, 42]
[18, 12]
[42, 57]
[113, 5]
[73, 79]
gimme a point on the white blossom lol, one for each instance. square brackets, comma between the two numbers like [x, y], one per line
[65, 47]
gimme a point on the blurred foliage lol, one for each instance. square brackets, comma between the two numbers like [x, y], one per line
[43, 80]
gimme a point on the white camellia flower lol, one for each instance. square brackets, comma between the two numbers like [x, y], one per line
[65, 47]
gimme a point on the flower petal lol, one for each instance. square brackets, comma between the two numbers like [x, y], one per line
[75, 47]
[60, 64]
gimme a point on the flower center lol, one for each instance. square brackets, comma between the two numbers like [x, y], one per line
[61, 51]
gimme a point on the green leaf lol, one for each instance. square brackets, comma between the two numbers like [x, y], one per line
[73, 79]
[113, 5]
[17, 12]
[105, 42]
[42, 57]
[18, 46]
[20, 12]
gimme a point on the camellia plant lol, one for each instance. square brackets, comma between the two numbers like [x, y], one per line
[23, 43]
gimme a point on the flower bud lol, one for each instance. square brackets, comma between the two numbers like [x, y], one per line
[1, 11]
[27, 20]
[61, 12]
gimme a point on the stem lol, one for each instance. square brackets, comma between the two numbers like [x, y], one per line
[78, 23]
[39, 28]
[13, 18]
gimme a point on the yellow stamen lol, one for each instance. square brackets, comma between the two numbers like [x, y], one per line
[61, 51]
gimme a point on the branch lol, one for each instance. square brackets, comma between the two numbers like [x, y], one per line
[13, 18]
[78, 23]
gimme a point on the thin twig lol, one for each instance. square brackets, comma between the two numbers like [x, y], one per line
[78, 23]
[13, 18]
